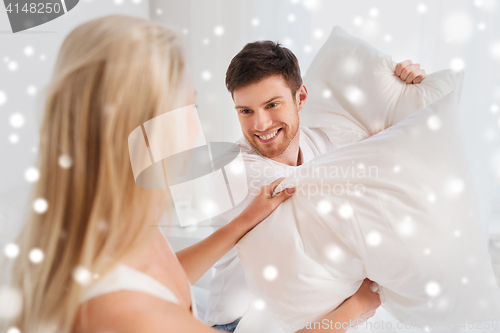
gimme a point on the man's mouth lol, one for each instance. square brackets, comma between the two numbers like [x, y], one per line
[269, 136]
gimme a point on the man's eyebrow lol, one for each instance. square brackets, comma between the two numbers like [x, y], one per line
[269, 101]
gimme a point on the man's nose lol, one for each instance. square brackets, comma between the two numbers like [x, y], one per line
[262, 121]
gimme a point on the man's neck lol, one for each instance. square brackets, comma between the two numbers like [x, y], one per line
[292, 155]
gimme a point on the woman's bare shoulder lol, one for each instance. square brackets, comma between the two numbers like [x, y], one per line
[130, 311]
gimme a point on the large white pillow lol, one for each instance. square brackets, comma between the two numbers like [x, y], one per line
[414, 230]
[353, 91]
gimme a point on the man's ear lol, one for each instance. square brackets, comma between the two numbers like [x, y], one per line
[301, 97]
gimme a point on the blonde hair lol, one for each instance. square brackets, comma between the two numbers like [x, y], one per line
[112, 74]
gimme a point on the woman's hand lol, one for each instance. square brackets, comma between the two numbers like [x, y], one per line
[198, 258]
[263, 204]
[410, 72]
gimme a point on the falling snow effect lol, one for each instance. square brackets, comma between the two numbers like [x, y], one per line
[3, 98]
[11, 302]
[32, 90]
[457, 64]
[434, 123]
[324, 207]
[334, 253]
[16, 120]
[374, 12]
[11, 250]
[259, 304]
[28, 51]
[13, 66]
[219, 30]
[40, 205]
[36, 256]
[351, 67]
[357, 21]
[312, 5]
[13, 330]
[318, 34]
[13, 138]
[65, 161]
[270, 273]
[407, 227]
[432, 289]
[327, 93]
[31, 174]
[345, 211]
[422, 8]
[456, 186]
[495, 50]
[374, 238]
[206, 75]
[209, 207]
[237, 167]
[82, 275]
[355, 95]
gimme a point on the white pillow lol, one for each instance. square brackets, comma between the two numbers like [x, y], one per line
[414, 230]
[353, 91]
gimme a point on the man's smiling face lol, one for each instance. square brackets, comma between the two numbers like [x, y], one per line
[268, 115]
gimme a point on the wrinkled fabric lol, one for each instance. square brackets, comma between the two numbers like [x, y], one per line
[411, 225]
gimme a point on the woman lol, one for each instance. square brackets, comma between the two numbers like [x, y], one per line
[104, 267]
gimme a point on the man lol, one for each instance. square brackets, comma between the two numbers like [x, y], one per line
[266, 86]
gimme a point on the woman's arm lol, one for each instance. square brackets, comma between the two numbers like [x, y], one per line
[198, 258]
[353, 311]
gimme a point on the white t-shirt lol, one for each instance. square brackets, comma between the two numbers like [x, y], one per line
[229, 296]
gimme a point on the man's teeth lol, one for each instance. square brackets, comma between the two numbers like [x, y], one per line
[269, 136]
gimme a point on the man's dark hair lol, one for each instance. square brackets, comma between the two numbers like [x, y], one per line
[259, 60]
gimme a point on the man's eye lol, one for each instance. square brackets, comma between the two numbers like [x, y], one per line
[245, 111]
[272, 105]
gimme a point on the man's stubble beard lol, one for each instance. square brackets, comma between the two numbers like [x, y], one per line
[288, 132]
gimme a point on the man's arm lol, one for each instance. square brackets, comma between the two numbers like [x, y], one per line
[410, 72]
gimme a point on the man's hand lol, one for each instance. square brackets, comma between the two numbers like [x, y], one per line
[410, 72]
